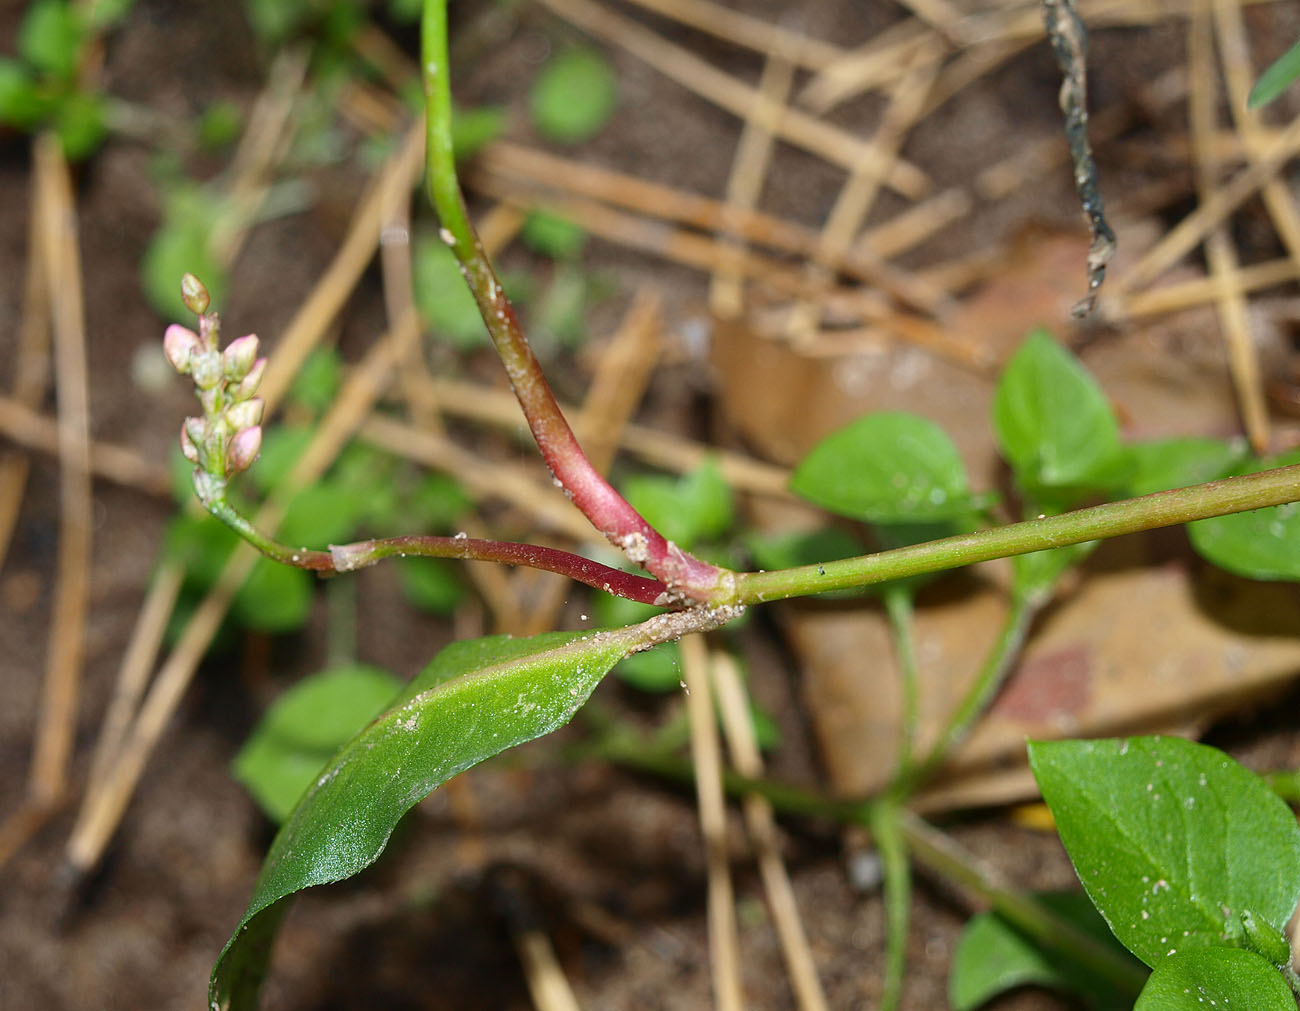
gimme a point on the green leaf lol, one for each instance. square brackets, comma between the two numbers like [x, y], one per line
[473, 129]
[201, 543]
[1263, 544]
[1177, 463]
[318, 381]
[79, 122]
[304, 728]
[22, 102]
[274, 20]
[321, 514]
[573, 96]
[106, 13]
[553, 236]
[1276, 79]
[444, 302]
[473, 701]
[219, 125]
[182, 245]
[1173, 840]
[695, 507]
[50, 36]
[274, 598]
[281, 447]
[1215, 978]
[431, 584]
[1037, 572]
[993, 956]
[889, 467]
[1053, 422]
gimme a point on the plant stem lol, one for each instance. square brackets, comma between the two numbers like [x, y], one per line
[899, 607]
[892, 847]
[1162, 509]
[927, 845]
[348, 557]
[942, 854]
[608, 511]
[1015, 626]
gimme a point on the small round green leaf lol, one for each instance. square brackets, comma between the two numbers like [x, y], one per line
[274, 598]
[1264, 544]
[1176, 463]
[50, 36]
[1053, 422]
[444, 302]
[574, 96]
[553, 236]
[695, 507]
[1214, 978]
[431, 584]
[303, 729]
[890, 467]
[1172, 840]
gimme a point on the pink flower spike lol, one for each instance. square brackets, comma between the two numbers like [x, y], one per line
[238, 358]
[180, 344]
[243, 450]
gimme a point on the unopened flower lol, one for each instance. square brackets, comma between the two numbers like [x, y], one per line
[194, 295]
[188, 449]
[249, 384]
[180, 345]
[243, 450]
[245, 414]
[206, 369]
[238, 358]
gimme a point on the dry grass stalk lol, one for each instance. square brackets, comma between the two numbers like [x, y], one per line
[1243, 361]
[738, 728]
[749, 168]
[738, 28]
[120, 464]
[835, 145]
[55, 731]
[706, 756]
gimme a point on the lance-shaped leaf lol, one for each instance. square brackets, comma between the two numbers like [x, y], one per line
[473, 701]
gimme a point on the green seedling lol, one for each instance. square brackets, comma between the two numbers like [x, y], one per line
[574, 96]
[1276, 79]
[481, 697]
[40, 89]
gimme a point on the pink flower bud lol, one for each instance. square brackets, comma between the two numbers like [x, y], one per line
[249, 384]
[196, 430]
[206, 369]
[243, 449]
[194, 295]
[180, 345]
[188, 449]
[244, 414]
[239, 357]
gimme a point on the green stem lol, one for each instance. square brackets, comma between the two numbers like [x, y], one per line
[1162, 509]
[927, 845]
[899, 607]
[892, 847]
[1015, 626]
[607, 510]
[942, 855]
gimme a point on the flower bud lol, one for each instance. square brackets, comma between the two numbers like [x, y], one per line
[206, 368]
[249, 384]
[188, 449]
[180, 345]
[243, 449]
[244, 414]
[238, 358]
[194, 295]
[196, 431]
